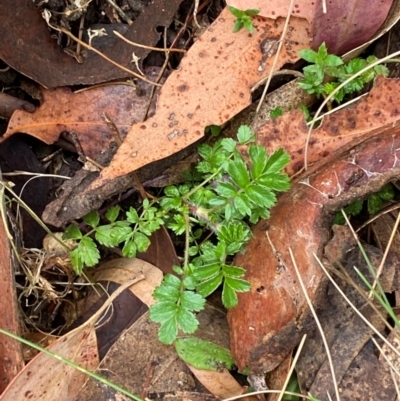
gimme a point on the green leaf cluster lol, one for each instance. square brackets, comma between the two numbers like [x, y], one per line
[243, 18]
[327, 71]
[375, 203]
[234, 185]
[133, 233]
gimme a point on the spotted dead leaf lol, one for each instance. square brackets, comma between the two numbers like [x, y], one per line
[374, 112]
[345, 25]
[211, 85]
[83, 113]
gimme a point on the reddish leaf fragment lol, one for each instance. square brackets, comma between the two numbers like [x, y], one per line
[83, 113]
[211, 85]
[371, 114]
[271, 318]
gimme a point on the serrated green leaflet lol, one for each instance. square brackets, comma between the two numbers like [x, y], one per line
[203, 354]
[92, 219]
[112, 213]
[208, 286]
[88, 251]
[72, 232]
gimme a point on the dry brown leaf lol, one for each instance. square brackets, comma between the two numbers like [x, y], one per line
[211, 85]
[83, 113]
[140, 363]
[121, 269]
[346, 24]
[47, 379]
[373, 113]
[221, 384]
[271, 318]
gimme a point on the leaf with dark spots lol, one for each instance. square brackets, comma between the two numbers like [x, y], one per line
[234, 78]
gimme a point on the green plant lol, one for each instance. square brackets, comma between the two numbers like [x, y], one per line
[328, 71]
[243, 18]
[276, 112]
[236, 189]
[374, 204]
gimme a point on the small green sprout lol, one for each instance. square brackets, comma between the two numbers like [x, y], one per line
[243, 18]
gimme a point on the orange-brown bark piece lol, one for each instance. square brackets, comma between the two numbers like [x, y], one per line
[271, 318]
[346, 24]
[83, 113]
[212, 84]
[379, 109]
[11, 358]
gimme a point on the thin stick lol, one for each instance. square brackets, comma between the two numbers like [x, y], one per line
[365, 320]
[276, 56]
[289, 375]
[321, 331]
[392, 235]
[166, 50]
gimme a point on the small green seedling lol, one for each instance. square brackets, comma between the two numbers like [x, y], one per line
[328, 67]
[276, 112]
[213, 211]
[243, 18]
[374, 204]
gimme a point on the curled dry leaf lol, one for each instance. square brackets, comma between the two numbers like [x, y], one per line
[346, 24]
[212, 84]
[271, 318]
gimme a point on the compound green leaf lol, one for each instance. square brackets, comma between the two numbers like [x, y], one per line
[258, 156]
[141, 241]
[238, 172]
[245, 134]
[277, 161]
[103, 236]
[192, 301]
[237, 284]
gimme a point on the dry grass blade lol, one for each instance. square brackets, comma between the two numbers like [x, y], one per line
[392, 235]
[328, 354]
[366, 321]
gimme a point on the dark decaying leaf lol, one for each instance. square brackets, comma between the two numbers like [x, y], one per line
[27, 47]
